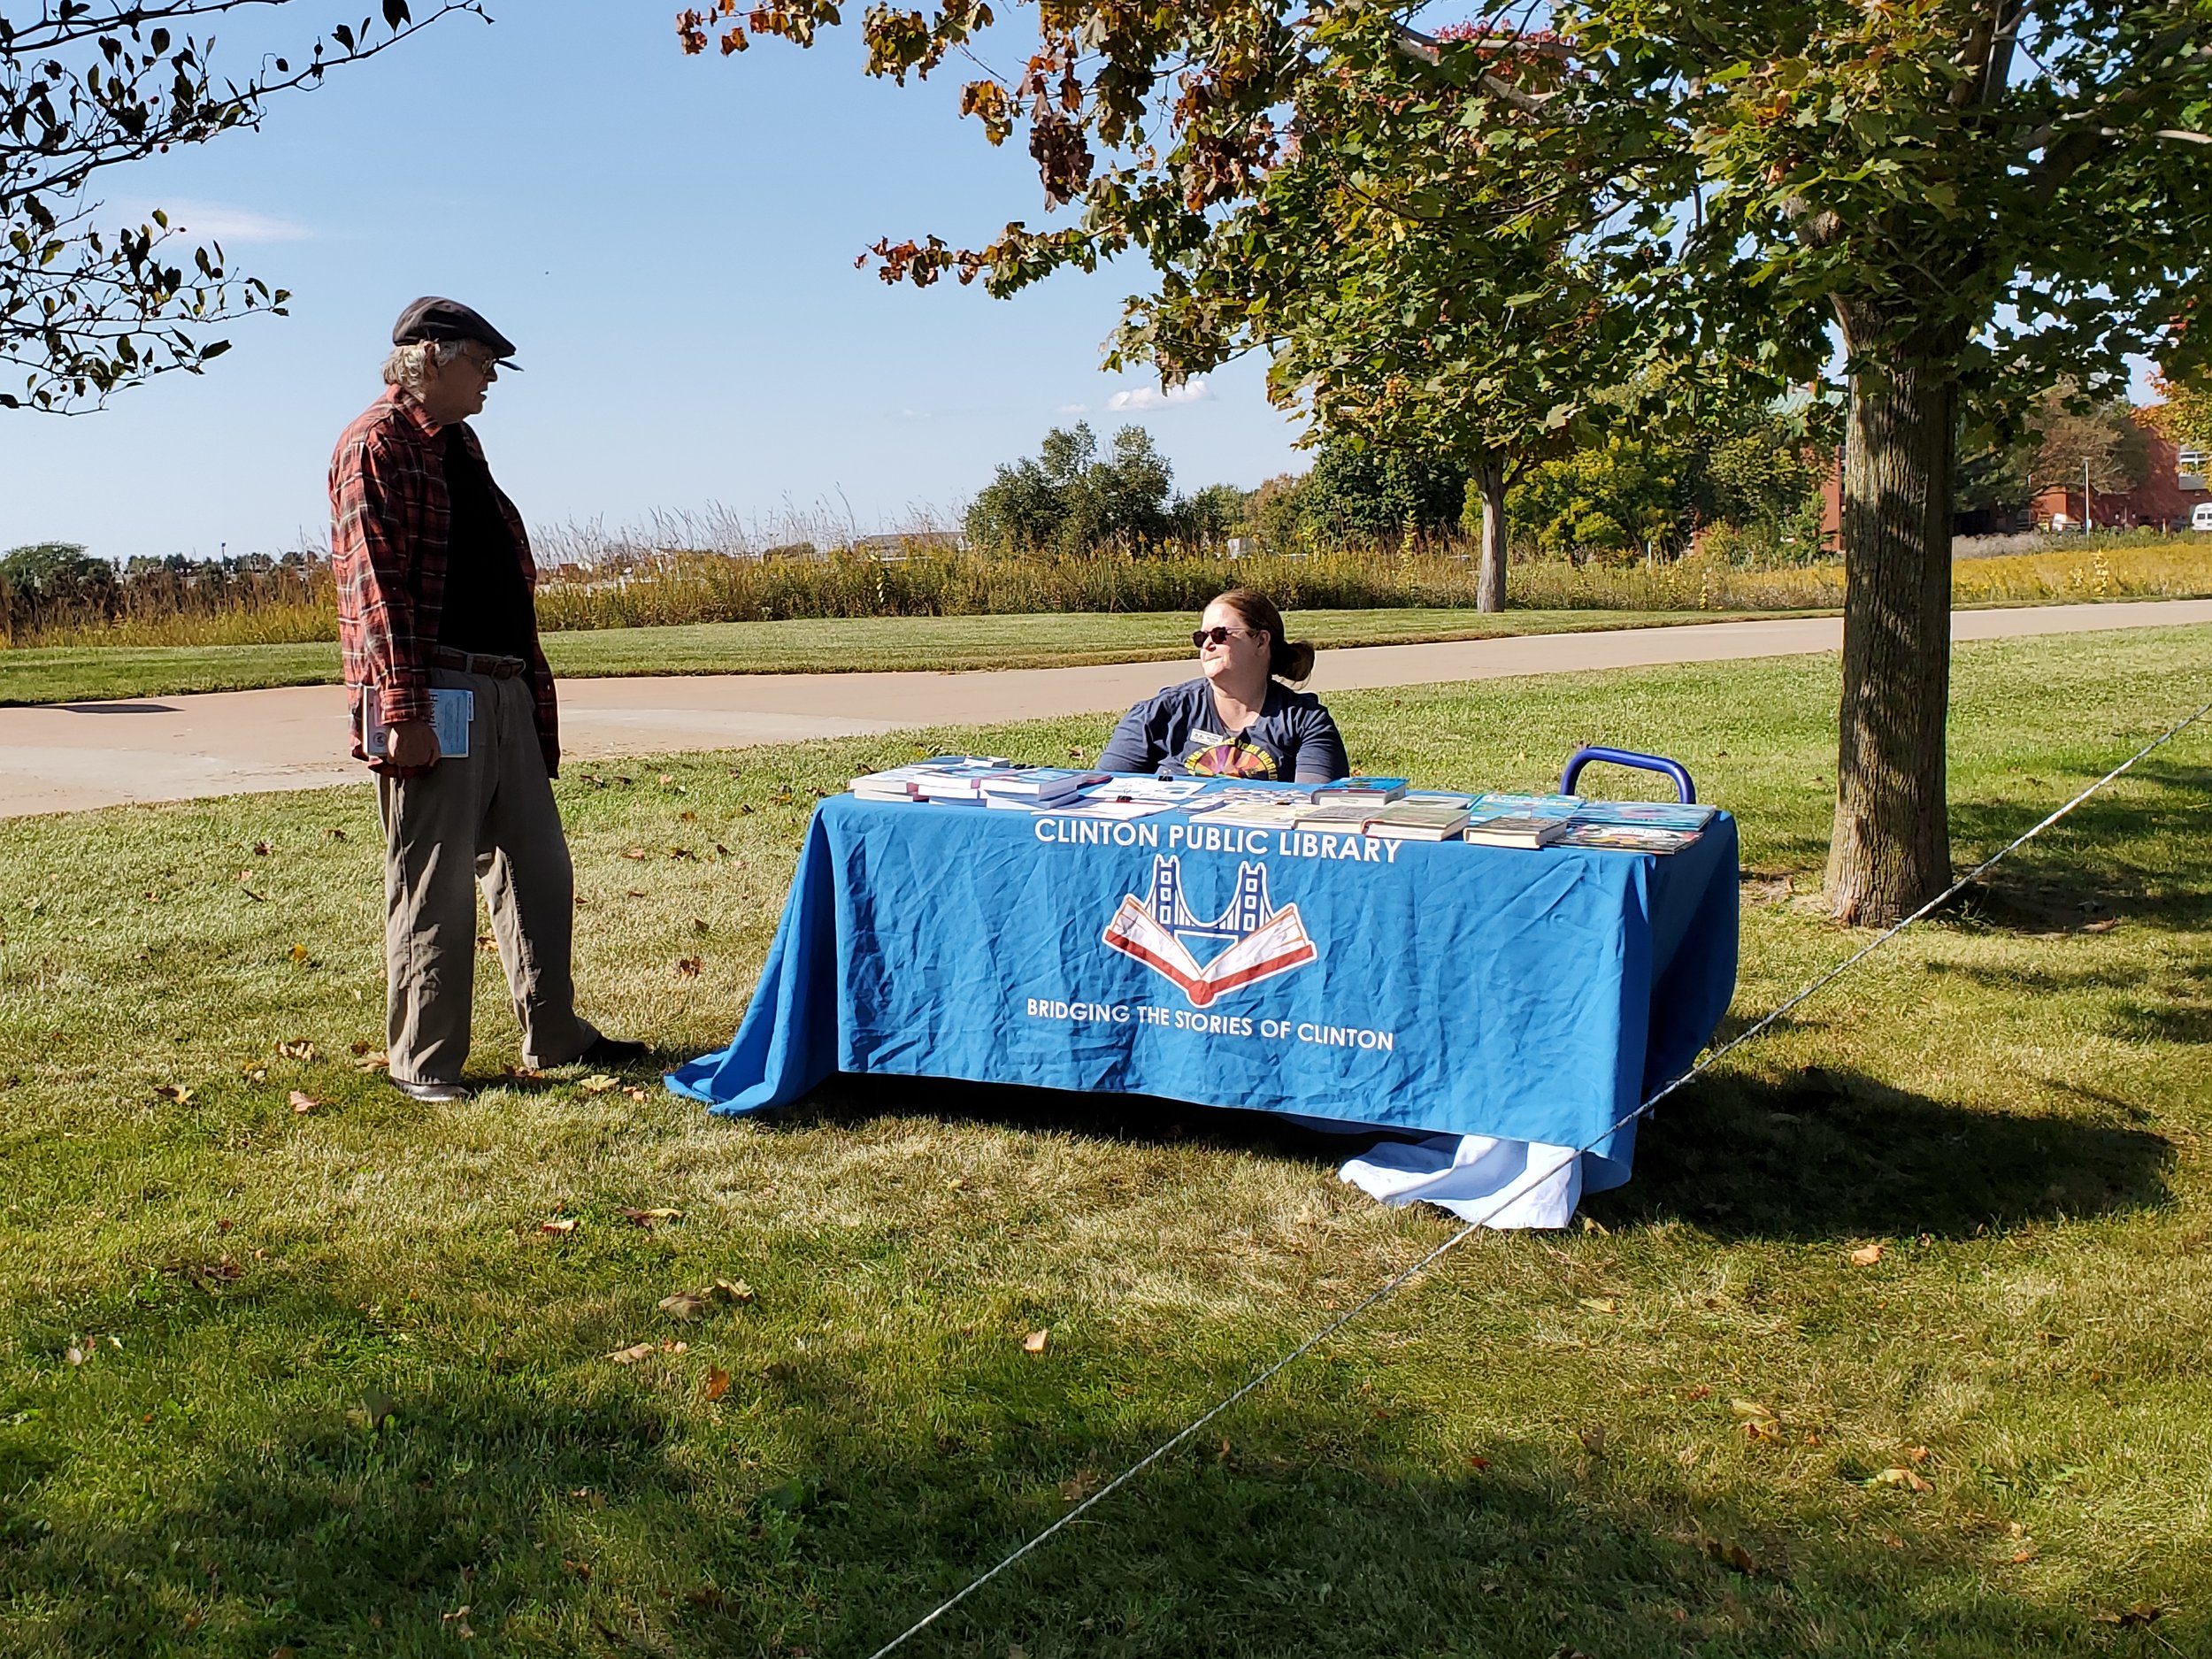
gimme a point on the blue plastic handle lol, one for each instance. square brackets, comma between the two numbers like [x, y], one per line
[1674, 769]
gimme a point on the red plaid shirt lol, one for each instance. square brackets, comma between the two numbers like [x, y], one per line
[388, 512]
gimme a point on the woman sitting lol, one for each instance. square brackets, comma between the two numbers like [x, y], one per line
[1236, 720]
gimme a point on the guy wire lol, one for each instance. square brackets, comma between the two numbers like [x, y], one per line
[1398, 1282]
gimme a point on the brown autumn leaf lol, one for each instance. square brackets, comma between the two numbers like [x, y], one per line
[635, 893]
[634, 853]
[1600, 1304]
[682, 852]
[683, 1305]
[262, 849]
[177, 1093]
[688, 967]
[598, 1083]
[1867, 1256]
[1731, 1554]
[1703, 1391]
[377, 1061]
[359, 1045]
[635, 1352]
[488, 941]
[647, 1217]
[718, 1384]
[2135, 1614]
[299, 954]
[635, 1092]
[667, 779]
[558, 1223]
[1477, 1462]
[1899, 1476]
[1034, 1342]
[298, 1048]
[731, 1290]
[1079, 1486]
[303, 1103]
[582, 1570]
[1918, 1454]
[688, 818]
[335, 833]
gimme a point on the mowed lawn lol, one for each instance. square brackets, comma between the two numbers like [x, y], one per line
[332, 1377]
[813, 646]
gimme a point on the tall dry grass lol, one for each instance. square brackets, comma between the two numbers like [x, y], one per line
[625, 589]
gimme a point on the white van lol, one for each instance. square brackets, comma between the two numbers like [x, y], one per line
[2202, 519]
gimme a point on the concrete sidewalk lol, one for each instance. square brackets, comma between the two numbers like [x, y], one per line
[72, 757]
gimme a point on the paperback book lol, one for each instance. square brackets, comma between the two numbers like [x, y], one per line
[1372, 791]
[1514, 829]
[1329, 812]
[1410, 820]
[1658, 814]
[1629, 838]
[1496, 803]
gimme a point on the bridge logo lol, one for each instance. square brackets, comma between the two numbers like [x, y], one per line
[1250, 940]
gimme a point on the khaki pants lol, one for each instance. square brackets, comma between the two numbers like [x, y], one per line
[489, 816]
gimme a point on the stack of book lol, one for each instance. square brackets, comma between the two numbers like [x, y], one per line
[1639, 827]
[1038, 788]
[1513, 829]
[1421, 818]
[939, 778]
[1256, 809]
[1328, 811]
[1374, 792]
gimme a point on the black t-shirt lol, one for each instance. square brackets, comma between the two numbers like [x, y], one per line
[488, 604]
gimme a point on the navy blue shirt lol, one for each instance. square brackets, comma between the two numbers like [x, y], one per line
[1179, 731]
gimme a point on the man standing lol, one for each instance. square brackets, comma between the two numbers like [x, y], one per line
[434, 579]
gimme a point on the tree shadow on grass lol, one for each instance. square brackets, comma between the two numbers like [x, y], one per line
[557, 1513]
[1824, 1156]
[1834, 1155]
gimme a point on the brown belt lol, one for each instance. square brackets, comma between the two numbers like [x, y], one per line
[478, 662]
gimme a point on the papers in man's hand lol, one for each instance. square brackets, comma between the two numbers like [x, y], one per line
[452, 712]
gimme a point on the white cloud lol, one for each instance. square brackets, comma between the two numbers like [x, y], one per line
[1072, 408]
[212, 221]
[1191, 391]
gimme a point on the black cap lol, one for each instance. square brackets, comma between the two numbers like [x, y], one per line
[434, 319]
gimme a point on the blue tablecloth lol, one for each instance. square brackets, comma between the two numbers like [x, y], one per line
[1435, 986]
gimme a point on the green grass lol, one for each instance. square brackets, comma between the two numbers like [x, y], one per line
[336, 1383]
[83, 673]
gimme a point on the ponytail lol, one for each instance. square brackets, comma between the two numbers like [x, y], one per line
[1287, 659]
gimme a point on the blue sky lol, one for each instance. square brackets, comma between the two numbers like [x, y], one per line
[670, 240]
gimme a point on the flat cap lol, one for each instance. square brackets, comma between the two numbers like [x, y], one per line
[434, 319]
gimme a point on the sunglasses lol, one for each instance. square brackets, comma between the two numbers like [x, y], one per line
[1203, 637]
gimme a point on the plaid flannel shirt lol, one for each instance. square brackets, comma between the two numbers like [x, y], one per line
[388, 513]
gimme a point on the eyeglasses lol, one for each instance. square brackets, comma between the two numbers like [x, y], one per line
[1203, 637]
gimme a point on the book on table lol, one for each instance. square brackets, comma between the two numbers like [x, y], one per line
[1500, 803]
[1331, 813]
[1513, 829]
[1672, 815]
[1628, 838]
[941, 777]
[1261, 814]
[1359, 787]
[1173, 791]
[1038, 785]
[1418, 821]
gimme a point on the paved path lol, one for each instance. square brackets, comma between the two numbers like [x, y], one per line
[75, 755]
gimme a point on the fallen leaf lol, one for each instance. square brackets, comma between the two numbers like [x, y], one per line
[558, 1223]
[175, 1093]
[488, 941]
[299, 1049]
[303, 1103]
[1477, 1462]
[647, 1217]
[1600, 1304]
[524, 1073]
[731, 1290]
[360, 1046]
[76, 1356]
[699, 925]
[1899, 1476]
[1755, 1410]
[1592, 1440]
[299, 952]
[1918, 1454]
[682, 852]
[635, 1352]
[459, 1619]
[598, 1083]
[2021, 1557]
[261, 849]
[1729, 1554]
[635, 1092]
[688, 967]
[674, 1348]
[683, 1305]
[635, 893]
[667, 779]
[1034, 1342]
[1079, 1486]
[377, 1061]
[718, 1384]
[688, 818]
[634, 853]
[2138, 1613]
[1701, 1391]
[1867, 1256]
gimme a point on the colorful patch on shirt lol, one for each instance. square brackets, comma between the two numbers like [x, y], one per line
[1236, 758]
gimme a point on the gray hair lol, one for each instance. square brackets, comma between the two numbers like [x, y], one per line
[410, 365]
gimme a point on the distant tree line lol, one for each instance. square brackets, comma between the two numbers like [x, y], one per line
[45, 582]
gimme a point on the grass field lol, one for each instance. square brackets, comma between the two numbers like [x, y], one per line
[322, 1382]
[836, 645]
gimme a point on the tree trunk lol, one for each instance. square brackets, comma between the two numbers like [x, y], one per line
[1489, 477]
[1890, 849]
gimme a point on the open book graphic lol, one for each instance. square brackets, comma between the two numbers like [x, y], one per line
[1276, 945]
